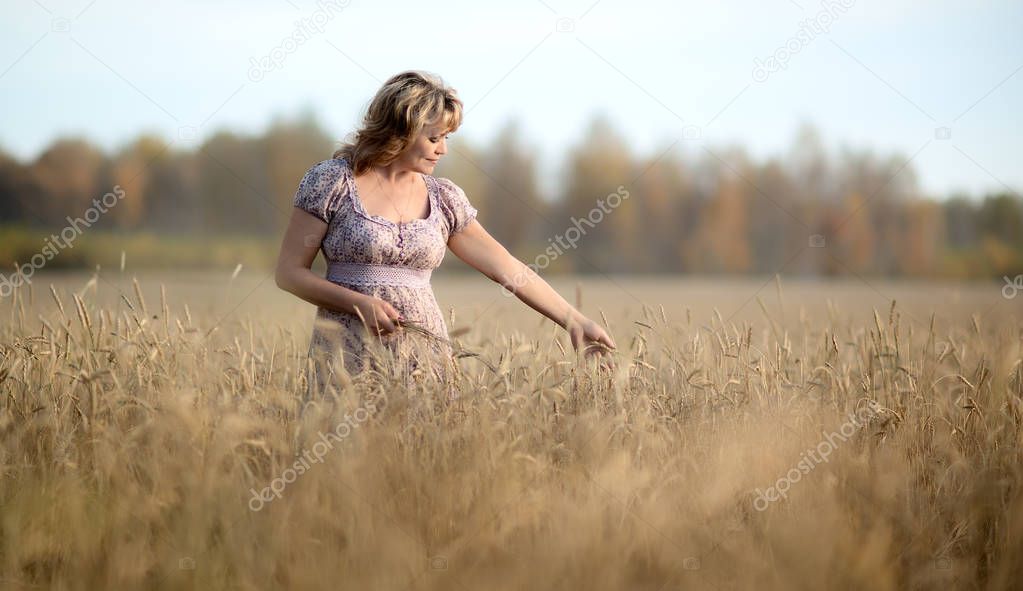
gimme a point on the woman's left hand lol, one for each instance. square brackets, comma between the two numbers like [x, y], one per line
[590, 337]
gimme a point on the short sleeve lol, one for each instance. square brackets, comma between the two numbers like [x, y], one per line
[321, 188]
[455, 206]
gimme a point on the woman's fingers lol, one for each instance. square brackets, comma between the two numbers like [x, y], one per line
[384, 325]
[382, 317]
[597, 348]
[606, 340]
[590, 337]
[600, 339]
[392, 312]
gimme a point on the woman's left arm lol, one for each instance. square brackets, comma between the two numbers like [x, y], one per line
[480, 250]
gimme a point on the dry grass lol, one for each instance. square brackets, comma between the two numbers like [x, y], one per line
[132, 433]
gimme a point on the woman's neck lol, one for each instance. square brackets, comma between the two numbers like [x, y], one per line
[395, 174]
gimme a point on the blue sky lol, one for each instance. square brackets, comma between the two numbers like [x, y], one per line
[879, 74]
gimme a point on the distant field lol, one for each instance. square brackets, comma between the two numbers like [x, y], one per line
[137, 424]
[622, 298]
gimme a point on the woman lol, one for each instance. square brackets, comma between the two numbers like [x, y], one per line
[383, 221]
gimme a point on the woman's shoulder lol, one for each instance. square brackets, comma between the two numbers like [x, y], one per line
[454, 204]
[323, 186]
[447, 187]
[334, 169]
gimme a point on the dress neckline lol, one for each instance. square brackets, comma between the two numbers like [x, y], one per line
[357, 201]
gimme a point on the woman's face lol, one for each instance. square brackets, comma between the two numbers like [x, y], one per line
[427, 149]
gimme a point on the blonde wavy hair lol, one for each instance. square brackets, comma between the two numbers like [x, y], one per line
[403, 106]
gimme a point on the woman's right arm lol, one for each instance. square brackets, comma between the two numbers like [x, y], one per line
[294, 274]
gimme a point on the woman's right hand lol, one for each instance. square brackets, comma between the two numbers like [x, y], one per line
[380, 315]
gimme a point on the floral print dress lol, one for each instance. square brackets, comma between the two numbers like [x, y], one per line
[328, 192]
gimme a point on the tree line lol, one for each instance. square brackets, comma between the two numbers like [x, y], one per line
[686, 208]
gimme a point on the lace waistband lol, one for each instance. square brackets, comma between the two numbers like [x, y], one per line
[367, 274]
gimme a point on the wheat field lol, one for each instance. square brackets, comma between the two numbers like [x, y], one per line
[767, 433]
